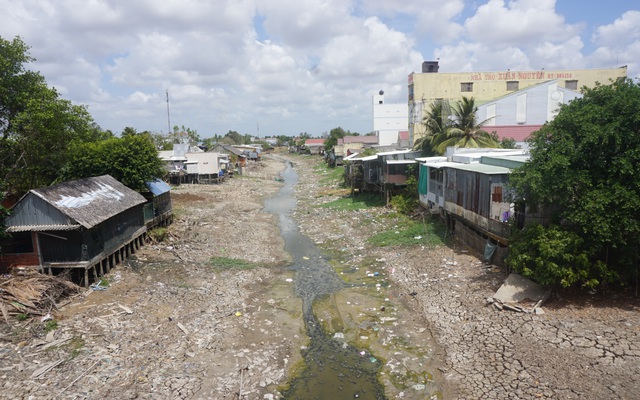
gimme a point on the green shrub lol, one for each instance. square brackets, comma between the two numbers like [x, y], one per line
[553, 256]
[159, 234]
[50, 325]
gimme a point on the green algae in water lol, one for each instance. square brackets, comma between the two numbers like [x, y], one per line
[335, 371]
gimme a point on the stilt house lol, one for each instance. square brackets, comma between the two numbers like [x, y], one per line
[88, 226]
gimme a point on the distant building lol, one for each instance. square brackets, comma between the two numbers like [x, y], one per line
[523, 112]
[389, 119]
[430, 85]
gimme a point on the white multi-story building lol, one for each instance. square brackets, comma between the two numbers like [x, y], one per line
[389, 120]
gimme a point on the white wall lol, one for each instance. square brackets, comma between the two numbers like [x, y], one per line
[389, 119]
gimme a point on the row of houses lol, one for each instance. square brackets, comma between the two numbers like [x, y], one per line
[84, 227]
[466, 186]
[191, 164]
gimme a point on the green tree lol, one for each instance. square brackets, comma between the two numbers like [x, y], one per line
[132, 160]
[436, 123]
[234, 137]
[185, 135]
[36, 125]
[464, 129]
[332, 139]
[584, 170]
[128, 131]
[507, 143]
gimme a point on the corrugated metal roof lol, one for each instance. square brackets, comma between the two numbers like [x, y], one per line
[351, 157]
[90, 201]
[390, 153]
[40, 228]
[432, 159]
[158, 187]
[519, 133]
[475, 167]
[400, 161]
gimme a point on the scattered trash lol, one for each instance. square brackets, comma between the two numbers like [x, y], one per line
[289, 280]
[126, 309]
[417, 237]
[305, 258]
[373, 359]
[238, 314]
[183, 329]
[419, 387]
[47, 317]
[98, 286]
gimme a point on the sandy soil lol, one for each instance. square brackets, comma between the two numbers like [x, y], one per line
[171, 325]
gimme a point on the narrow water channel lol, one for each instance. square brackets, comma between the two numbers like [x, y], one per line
[333, 370]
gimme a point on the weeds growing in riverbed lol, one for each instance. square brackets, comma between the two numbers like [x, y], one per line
[410, 232]
[329, 175]
[360, 202]
[222, 263]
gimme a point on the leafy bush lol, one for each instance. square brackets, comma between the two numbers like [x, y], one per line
[407, 201]
[159, 234]
[553, 256]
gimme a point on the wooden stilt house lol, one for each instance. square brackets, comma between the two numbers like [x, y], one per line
[86, 226]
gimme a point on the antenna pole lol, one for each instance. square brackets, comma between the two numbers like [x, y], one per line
[168, 115]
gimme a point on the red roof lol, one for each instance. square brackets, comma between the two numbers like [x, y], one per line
[517, 132]
[314, 141]
[403, 135]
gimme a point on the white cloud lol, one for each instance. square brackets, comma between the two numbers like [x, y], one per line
[520, 23]
[287, 65]
[619, 43]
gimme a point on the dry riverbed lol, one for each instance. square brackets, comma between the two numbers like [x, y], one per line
[171, 324]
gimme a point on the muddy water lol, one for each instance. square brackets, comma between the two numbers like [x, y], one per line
[333, 369]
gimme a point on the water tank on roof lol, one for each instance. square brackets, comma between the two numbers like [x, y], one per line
[429, 67]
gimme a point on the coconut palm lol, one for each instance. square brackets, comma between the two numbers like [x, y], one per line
[436, 122]
[465, 130]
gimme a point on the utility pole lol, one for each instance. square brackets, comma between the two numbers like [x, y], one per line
[168, 116]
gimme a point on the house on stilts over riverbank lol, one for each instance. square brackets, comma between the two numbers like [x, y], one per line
[85, 226]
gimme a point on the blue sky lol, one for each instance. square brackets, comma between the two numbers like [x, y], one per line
[294, 66]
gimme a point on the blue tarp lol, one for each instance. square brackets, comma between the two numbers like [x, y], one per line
[158, 187]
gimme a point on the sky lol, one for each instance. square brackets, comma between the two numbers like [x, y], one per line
[282, 67]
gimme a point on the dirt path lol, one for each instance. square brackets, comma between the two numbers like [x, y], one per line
[171, 325]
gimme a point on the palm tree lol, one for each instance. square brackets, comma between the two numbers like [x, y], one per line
[464, 131]
[436, 122]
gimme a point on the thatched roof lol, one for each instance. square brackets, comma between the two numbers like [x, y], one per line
[84, 202]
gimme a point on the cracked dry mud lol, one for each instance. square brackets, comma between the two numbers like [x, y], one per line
[171, 327]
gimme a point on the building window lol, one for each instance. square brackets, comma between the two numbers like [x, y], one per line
[496, 196]
[410, 92]
[466, 87]
[572, 85]
[512, 86]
